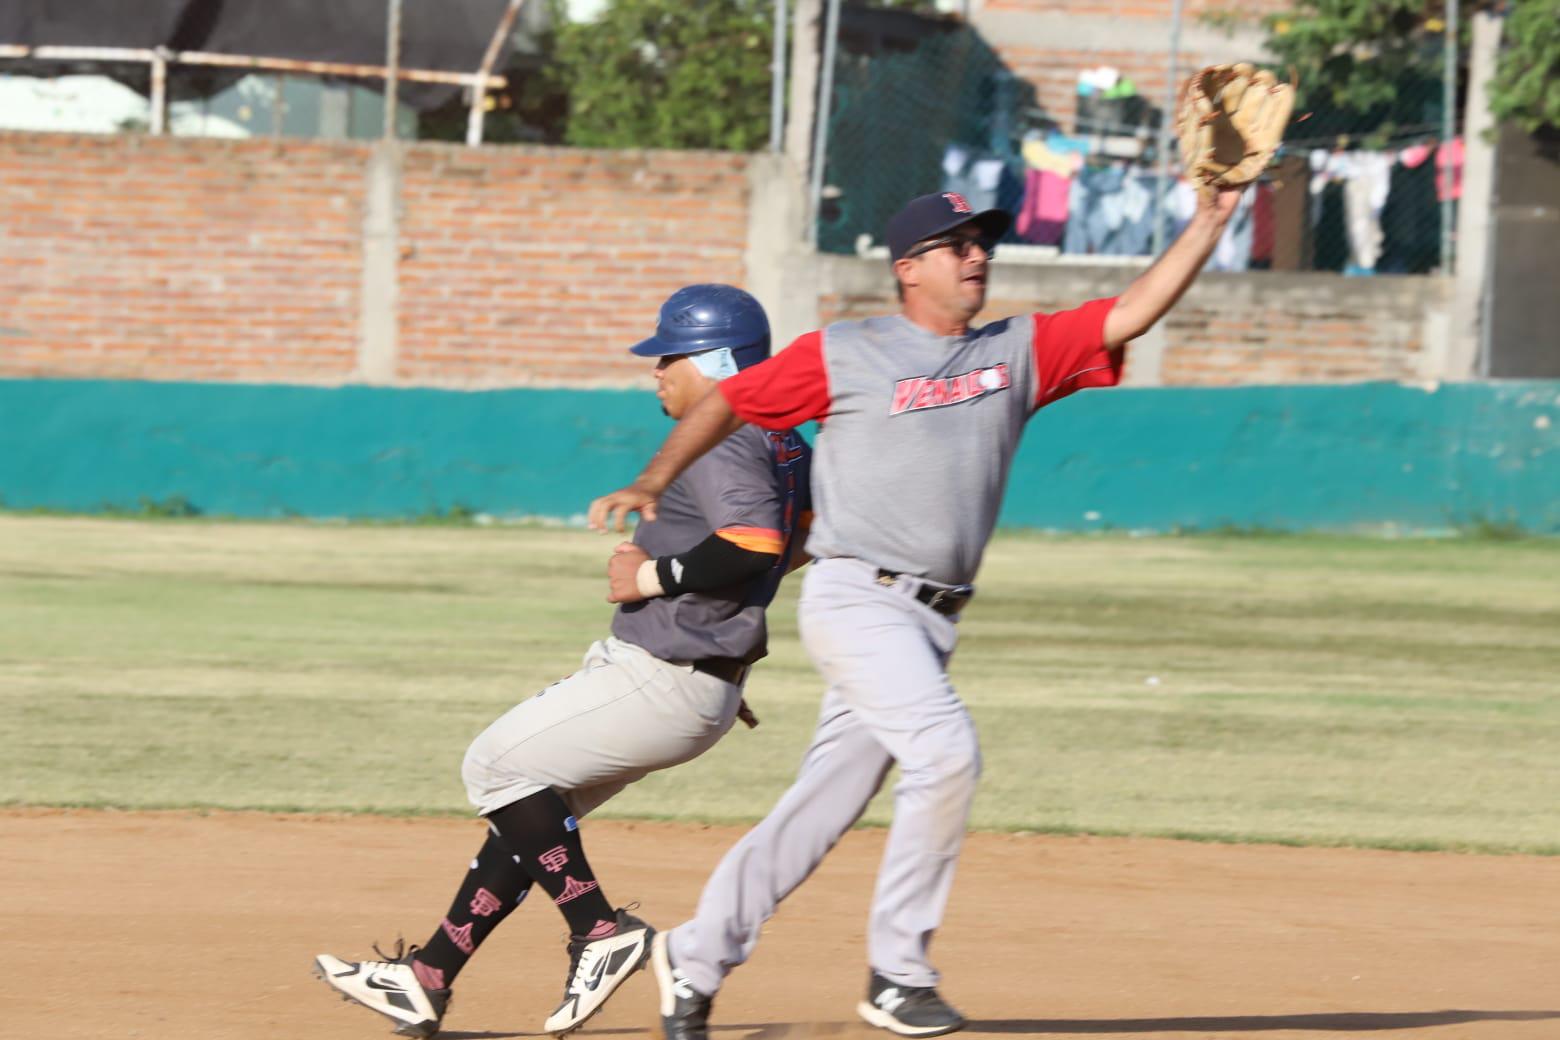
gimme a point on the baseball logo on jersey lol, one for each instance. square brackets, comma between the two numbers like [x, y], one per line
[921, 392]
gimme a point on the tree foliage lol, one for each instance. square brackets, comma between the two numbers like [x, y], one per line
[1527, 84]
[1385, 56]
[667, 74]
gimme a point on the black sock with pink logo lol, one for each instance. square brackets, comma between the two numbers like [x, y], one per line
[541, 831]
[493, 886]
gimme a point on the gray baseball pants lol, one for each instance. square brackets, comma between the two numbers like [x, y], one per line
[626, 713]
[884, 656]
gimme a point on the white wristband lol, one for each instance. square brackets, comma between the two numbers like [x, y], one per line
[648, 580]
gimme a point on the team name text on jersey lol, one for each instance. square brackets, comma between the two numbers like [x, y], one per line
[919, 392]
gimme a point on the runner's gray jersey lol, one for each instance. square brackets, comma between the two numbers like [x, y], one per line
[751, 489]
[920, 430]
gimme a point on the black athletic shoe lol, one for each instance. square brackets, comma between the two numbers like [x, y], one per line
[685, 1012]
[596, 969]
[908, 1010]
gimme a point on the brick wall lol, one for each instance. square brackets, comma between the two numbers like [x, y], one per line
[1054, 73]
[139, 257]
[1312, 328]
[1229, 329]
[129, 257]
[1047, 42]
[166, 258]
[539, 265]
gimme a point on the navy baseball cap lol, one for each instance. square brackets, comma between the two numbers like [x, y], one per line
[929, 215]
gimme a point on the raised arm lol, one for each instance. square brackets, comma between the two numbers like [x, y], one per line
[1155, 291]
[707, 423]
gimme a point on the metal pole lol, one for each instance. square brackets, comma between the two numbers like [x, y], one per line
[392, 67]
[159, 98]
[1162, 180]
[479, 88]
[1448, 130]
[777, 80]
[241, 61]
[820, 152]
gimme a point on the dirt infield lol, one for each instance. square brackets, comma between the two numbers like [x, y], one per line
[175, 925]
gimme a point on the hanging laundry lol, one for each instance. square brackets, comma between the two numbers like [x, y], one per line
[1100, 79]
[1415, 154]
[1410, 219]
[1367, 177]
[1135, 236]
[1233, 252]
[1088, 226]
[1262, 227]
[1449, 168]
[1331, 232]
[1180, 205]
[1042, 218]
[1038, 155]
[1067, 144]
[1292, 238]
[1110, 212]
[985, 181]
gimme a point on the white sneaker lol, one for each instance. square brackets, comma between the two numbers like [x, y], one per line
[389, 987]
[596, 969]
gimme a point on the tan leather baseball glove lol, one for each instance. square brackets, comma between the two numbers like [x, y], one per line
[1230, 121]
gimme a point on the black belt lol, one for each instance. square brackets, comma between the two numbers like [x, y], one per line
[729, 669]
[948, 600]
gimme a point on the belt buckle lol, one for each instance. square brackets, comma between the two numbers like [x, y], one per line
[955, 596]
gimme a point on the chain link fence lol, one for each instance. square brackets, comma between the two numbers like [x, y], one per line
[1079, 152]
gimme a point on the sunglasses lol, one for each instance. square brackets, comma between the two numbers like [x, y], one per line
[960, 244]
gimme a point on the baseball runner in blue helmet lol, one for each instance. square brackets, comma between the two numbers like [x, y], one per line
[662, 688]
[922, 415]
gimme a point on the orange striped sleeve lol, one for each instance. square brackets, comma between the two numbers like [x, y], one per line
[753, 539]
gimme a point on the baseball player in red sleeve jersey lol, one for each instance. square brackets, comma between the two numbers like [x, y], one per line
[922, 414]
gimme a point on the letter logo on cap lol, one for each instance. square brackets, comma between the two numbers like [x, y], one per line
[957, 202]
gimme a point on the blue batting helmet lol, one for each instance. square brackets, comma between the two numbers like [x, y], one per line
[700, 318]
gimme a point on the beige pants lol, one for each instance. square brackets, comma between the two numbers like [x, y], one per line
[623, 715]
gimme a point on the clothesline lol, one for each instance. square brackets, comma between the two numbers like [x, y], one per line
[1358, 210]
[1417, 130]
[1142, 134]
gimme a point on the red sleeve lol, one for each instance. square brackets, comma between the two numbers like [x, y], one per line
[1070, 352]
[787, 390]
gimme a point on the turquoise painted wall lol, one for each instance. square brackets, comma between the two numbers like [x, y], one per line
[1330, 457]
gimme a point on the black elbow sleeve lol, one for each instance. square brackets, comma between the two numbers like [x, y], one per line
[712, 564]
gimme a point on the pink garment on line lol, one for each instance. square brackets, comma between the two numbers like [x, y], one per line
[1450, 154]
[1043, 215]
[1414, 155]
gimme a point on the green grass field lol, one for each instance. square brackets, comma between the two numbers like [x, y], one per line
[1298, 689]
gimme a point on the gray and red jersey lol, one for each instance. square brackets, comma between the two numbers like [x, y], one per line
[919, 430]
[752, 490]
